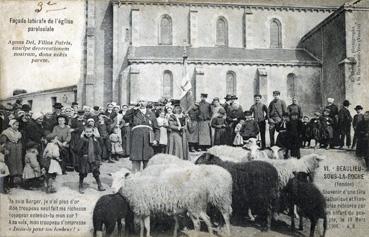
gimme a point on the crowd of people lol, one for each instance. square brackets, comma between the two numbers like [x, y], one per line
[37, 147]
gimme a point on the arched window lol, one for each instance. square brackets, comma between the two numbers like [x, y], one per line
[222, 32]
[275, 34]
[231, 83]
[291, 85]
[165, 30]
[168, 84]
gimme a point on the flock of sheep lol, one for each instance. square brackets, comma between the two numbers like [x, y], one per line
[233, 181]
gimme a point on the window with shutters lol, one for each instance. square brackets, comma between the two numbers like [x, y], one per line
[168, 84]
[165, 34]
[231, 84]
[275, 34]
[222, 32]
[291, 85]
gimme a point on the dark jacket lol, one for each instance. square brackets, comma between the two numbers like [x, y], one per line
[205, 111]
[344, 118]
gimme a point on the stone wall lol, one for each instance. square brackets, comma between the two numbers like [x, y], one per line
[146, 82]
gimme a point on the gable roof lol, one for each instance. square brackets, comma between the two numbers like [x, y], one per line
[221, 55]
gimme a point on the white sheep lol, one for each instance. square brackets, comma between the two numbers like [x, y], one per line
[174, 191]
[217, 180]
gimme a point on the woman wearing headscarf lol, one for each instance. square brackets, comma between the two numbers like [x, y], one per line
[177, 140]
[12, 137]
[36, 131]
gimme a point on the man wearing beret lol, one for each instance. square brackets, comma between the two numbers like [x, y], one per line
[276, 109]
[344, 125]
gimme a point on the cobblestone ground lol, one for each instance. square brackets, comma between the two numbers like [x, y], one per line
[67, 186]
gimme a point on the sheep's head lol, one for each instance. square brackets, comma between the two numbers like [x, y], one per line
[207, 158]
[118, 179]
[275, 152]
[312, 161]
[252, 146]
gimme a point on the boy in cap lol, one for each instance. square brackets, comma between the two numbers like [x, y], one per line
[89, 158]
[344, 125]
[294, 135]
[358, 117]
[219, 125]
[276, 109]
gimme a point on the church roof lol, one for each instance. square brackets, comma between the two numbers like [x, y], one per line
[221, 55]
[295, 3]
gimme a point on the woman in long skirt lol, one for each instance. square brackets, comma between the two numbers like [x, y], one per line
[177, 140]
[11, 137]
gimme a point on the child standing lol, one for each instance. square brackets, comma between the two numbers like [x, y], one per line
[238, 140]
[4, 171]
[219, 125]
[306, 132]
[315, 128]
[32, 170]
[50, 162]
[103, 126]
[116, 143]
[326, 130]
[294, 128]
[89, 153]
[163, 125]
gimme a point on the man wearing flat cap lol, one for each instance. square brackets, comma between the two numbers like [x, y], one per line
[276, 109]
[260, 112]
[205, 114]
[344, 125]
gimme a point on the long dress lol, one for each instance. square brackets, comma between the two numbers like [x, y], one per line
[13, 144]
[177, 140]
[219, 126]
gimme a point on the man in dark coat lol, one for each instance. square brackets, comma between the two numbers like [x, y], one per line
[276, 109]
[50, 122]
[260, 112]
[333, 114]
[35, 130]
[358, 117]
[228, 103]
[89, 158]
[295, 108]
[205, 114]
[344, 125]
[145, 134]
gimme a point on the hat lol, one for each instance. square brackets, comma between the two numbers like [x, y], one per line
[221, 110]
[330, 100]
[12, 121]
[175, 102]
[50, 137]
[204, 95]
[247, 113]
[74, 103]
[233, 97]
[20, 113]
[276, 92]
[216, 99]
[358, 107]
[96, 108]
[58, 106]
[346, 103]
[81, 112]
[62, 116]
[31, 145]
[26, 108]
[37, 115]
[90, 120]
[257, 95]
[228, 97]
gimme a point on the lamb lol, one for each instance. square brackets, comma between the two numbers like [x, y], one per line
[309, 199]
[176, 190]
[255, 185]
[111, 209]
[218, 182]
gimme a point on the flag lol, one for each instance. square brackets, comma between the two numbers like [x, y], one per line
[187, 99]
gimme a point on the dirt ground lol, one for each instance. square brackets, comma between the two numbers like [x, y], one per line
[67, 186]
